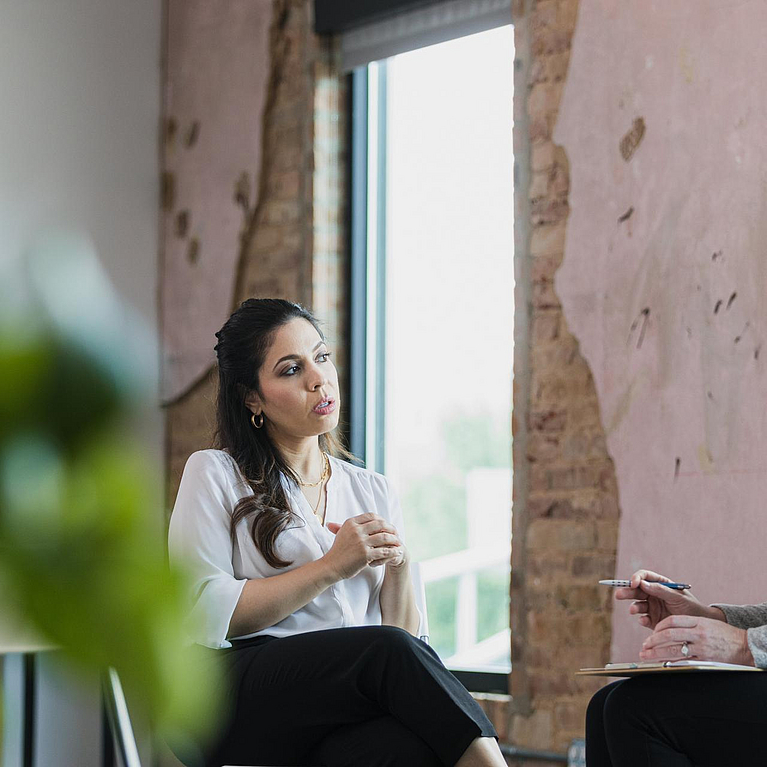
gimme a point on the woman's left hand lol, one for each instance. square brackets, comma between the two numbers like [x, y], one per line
[706, 639]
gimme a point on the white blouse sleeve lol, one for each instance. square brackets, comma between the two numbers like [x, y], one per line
[199, 539]
[397, 519]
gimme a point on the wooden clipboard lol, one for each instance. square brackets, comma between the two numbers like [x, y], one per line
[670, 667]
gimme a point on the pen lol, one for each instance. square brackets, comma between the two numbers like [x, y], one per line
[627, 584]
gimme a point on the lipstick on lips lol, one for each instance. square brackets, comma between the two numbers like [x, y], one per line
[325, 407]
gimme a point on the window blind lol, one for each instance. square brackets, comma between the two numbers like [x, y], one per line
[393, 27]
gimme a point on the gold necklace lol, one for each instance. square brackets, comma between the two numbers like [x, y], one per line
[323, 476]
[317, 506]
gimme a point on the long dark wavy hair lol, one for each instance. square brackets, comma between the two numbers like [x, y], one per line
[243, 343]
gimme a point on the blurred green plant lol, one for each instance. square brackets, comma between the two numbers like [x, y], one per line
[82, 555]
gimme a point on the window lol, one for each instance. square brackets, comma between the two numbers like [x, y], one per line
[432, 324]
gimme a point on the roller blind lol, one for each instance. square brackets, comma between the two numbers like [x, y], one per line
[335, 16]
[376, 30]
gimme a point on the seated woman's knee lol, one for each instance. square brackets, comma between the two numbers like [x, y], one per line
[597, 702]
[396, 637]
[628, 701]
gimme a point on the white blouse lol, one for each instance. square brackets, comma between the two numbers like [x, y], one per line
[199, 539]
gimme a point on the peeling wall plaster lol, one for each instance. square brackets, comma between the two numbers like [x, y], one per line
[216, 89]
[664, 280]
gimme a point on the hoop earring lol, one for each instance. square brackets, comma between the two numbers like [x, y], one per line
[253, 420]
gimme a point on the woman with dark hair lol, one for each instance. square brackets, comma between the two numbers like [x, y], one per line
[301, 576]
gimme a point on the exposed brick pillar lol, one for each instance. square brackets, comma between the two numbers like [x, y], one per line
[565, 493]
[330, 262]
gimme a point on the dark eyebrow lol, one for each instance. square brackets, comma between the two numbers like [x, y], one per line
[295, 356]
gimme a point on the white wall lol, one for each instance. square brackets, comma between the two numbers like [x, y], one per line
[79, 123]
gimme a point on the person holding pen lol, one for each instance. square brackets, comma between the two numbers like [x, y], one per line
[681, 720]
[301, 577]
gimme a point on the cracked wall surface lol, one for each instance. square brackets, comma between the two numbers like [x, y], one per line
[663, 280]
[264, 248]
[565, 513]
[217, 65]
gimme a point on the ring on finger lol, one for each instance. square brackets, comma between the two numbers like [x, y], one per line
[685, 650]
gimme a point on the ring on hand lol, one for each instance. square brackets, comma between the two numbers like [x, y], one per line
[685, 650]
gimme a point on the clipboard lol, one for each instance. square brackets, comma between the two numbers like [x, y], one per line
[666, 667]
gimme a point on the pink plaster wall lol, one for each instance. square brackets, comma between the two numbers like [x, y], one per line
[669, 303]
[217, 79]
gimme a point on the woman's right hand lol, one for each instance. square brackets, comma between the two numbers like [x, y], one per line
[653, 602]
[366, 539]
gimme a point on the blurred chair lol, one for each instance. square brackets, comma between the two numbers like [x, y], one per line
[120, 723]
[119, 720]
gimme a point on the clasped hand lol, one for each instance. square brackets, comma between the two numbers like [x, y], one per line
[366, 539]
[678, 619]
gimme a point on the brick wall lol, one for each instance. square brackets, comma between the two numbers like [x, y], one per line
[330, 259]
[565, 493]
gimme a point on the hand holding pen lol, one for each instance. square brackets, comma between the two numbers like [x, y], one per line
[652, 601]
[626, 584]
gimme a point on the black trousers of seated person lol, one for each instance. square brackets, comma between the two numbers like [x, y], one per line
[362, 696]
[707, 719]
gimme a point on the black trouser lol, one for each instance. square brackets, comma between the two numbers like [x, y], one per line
[707, 719]
[363, 696]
